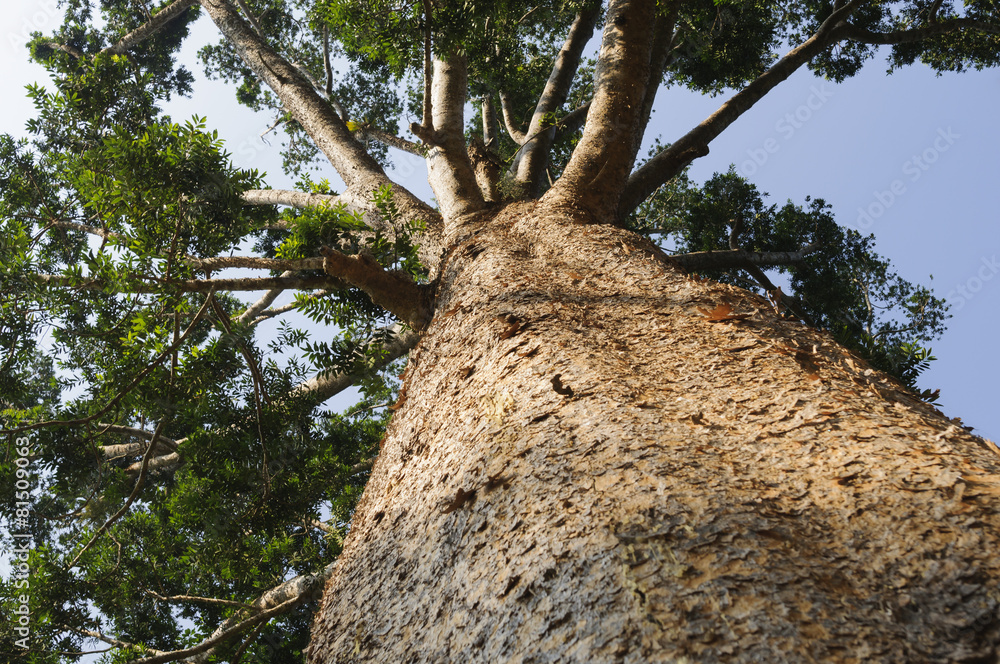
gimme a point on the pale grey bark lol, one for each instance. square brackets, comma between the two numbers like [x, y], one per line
[266, 300]
[529, 165]
[325, 385]
[450, 171]
[366, 131]
[206, 285]
[664, 40]
[156, 464]
[359, 171]
[296, 199]
[600, 164]
[489, 113]
[509, 123]
[289, 265]
[133, 449]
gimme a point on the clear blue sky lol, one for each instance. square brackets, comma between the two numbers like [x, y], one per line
[917, 153]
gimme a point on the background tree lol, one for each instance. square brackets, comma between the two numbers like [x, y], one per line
[596, 451]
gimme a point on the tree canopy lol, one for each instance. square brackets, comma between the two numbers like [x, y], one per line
[190, 487]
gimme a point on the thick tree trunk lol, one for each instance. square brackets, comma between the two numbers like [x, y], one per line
[592, 462]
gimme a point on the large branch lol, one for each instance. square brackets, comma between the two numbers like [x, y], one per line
[671, 160]
[450, 171]
[132, 449]
[287, 595]
[152, 26]
[393, 291]
[529, 165]
[358, 169]
[393, 141]
[509, 123]
[202, 285]
[599, 167]
[660, 58]
[255, 263]
[325, 385]
[265, 300]
[724, 260]
[295, 199]
[934, 29]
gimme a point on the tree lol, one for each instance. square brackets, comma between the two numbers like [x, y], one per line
[595, 452]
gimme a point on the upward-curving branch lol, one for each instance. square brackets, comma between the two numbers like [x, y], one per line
[358, 169]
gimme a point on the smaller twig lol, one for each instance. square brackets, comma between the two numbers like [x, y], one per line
[201, 600]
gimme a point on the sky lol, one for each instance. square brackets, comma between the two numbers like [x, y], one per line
[911, 157]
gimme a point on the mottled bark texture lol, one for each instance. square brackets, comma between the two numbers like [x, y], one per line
[589, 463]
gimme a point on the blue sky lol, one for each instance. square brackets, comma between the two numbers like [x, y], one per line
[912, 158]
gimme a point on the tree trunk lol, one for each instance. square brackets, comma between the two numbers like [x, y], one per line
[592, 462]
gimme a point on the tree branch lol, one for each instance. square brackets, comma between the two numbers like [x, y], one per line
[358, 169]
[489, 113]
[515, 134]
[203, 285]
[397, 293]
[295, 199]
[325, 385]
[201, 600]
[222, 637]
[288, 594]
[934, 29]
[131, 449]
[450, 172]
[319, 388]
[255, 263]
[84, 228]
[529, 164]
[157, 464]
[671, 160]
[368, 131]
[139, 483]
[110, 641]
[595, 176]
[661, 56]
[263, 303]
[724, 260]
[250, 17]
[152, 26]
[427, 122]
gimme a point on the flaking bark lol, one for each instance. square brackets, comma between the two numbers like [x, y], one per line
[587, 467]
[394, 291]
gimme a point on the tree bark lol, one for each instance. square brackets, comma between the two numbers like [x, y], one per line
[585, 466]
